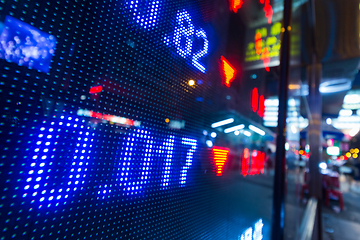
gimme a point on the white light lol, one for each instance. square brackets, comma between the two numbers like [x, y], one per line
[333, 151]
[323, 165]
[205, 132]
[222, 123]
[213, 134]
[209, 143]
[293, 129]
[292, 102]
[237, 132]
[345, 112]
[337, 85]
[247, 133]
[352, 99]
[358, 112]
[270, 124]
[354, 131]
[257, 130]
[271, 102]
[328, 121]
[232, 129]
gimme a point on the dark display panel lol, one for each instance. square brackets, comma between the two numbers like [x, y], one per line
[106, 130]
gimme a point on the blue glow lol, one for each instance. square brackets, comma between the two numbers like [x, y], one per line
[43, 173]
[168, 147]
[189, 159]
[137, 148]
[183, 31]
[147, 17]
[195, 60]
[25, 45]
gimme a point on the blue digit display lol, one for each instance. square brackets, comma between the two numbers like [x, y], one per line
[49, 152]
[183, 34]
[145, 15]
[136, 161]
[189, 159]
[167, 150]
[195, 60]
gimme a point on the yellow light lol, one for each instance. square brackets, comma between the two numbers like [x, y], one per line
[167, 120]
[354, 155]
[341, 157]
[352, 150]
[348, 154]
[301, 152]
[356, 150]
[191, 82]
[294, 86]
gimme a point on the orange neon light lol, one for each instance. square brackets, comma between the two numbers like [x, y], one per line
[220, 156]
[265, 57]
[229, 71]
[258, 43]
[235, 5]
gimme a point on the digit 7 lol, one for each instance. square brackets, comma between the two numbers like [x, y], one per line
[189, 158]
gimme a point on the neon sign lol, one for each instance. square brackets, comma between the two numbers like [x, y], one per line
[220, 158]
[252, 164]
[257, 103]
[228, 70]
[235, 5]
[183, 36]
[263, 45]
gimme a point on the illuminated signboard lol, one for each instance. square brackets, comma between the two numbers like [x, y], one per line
[228, 71]
[103, 133]
[263, 47]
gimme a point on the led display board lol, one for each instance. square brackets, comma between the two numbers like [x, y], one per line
[263, 47]
[105, 111]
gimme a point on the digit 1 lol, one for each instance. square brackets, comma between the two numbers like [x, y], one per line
[181, 31]
[169, 147]
[189, 158]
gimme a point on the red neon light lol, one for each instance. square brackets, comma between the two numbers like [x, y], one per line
[108, 117]
[256, 162]
[261, 110]
[254, 99]
[261, 162]
[268, 10]
[220, 158]
[235, 5]
[258, 43]
[245, 162]
[229, 71]
[96, 89]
